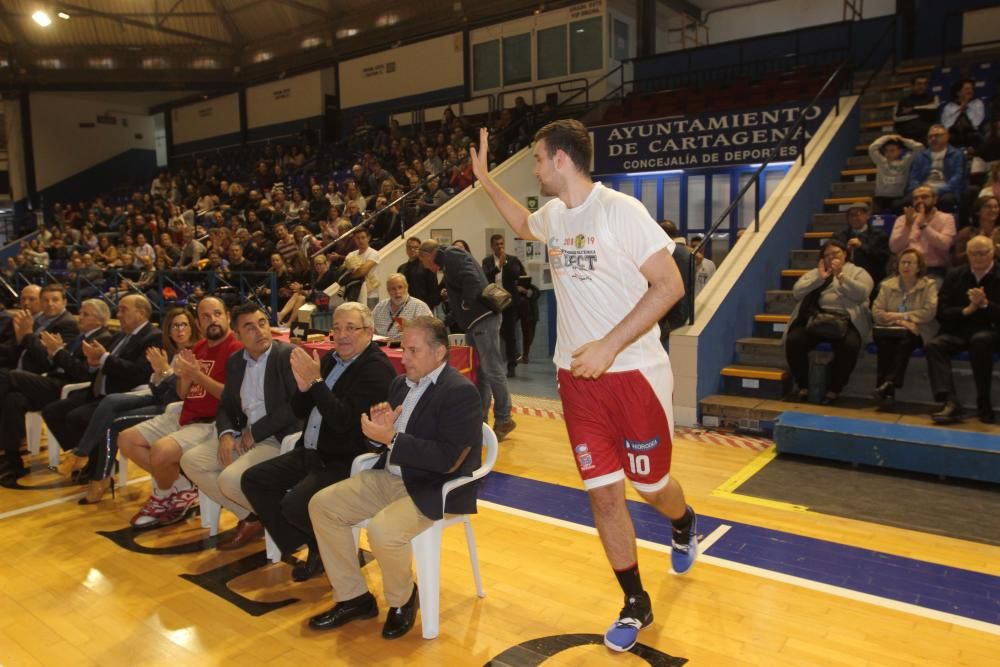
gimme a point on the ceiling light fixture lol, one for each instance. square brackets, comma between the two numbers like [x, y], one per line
[63, 15]
[41, 18]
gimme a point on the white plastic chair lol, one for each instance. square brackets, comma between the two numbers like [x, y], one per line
[427, 545]
[34, 425]
[273, 552]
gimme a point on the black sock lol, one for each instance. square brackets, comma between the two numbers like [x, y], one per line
[252, 518]
[681, 526]
[629, 580]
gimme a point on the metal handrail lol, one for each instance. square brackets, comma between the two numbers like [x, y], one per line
[754, 180]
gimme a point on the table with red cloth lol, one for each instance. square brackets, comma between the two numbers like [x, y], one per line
[463, 357]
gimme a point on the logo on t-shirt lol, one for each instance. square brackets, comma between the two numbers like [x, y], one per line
[635, 446]
[575, 255]
[583, 457]
[196, 390]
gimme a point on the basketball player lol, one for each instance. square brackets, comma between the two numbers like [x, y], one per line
[614, 279]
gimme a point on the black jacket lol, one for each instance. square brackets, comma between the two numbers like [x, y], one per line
[70, 365]
[129, 368]
[35, 357]
[465, 280]
[873, 253]
[364, 383]
[423, 283]
[512, 270]
[443, 441]
[279, 389]
[953, 297]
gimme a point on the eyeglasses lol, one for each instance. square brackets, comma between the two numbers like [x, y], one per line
[981, 253]
[349, 330]
[180, 325]
[936, 134]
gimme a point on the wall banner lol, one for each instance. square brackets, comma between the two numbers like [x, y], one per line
[702, 140]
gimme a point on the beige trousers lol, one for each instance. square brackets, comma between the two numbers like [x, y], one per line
[394, 520]
[222, 484]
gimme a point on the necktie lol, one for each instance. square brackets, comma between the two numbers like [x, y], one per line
[100, 380]
[75, 345]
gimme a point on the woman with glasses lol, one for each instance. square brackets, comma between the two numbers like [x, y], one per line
[832, 307]
[117, 412]
[905, 318]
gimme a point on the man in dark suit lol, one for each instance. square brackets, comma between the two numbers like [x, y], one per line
[254, 414]
[117, 368]
[32, 303]
[331, 395]
[24, 391]
[423, 283]
[432, 433]
[969, 312]
[53, 318]
[508, 269]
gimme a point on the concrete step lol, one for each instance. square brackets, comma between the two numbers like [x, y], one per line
[859, 161]
[779, 302]
[756, 381]
[866, 137]
[860, 174]
[770, 325]
[841, 203]
[804, 259]
[828, 222]
[790, 276]
[815, 240]
[761, 351]
[853, 189]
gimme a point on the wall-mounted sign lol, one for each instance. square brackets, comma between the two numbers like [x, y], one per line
[702, 140]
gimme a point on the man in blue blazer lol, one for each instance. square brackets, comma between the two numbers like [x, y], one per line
[431, 432]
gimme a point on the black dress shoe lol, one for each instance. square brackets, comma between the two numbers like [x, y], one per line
[949, 414]
[401, 619]
[363, 606]
[10, 475]
[885, 395]
[311, 567]
[985, 412]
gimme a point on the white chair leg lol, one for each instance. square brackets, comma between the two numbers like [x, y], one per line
[122, 469]
[210, 511]
[33, 432]
[273, 552]
[54, 451]
[470, 539]
[427, 554]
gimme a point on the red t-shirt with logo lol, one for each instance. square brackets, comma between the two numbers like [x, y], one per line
[200, 405]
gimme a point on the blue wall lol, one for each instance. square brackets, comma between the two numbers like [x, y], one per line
[734, 317]
[136, 165]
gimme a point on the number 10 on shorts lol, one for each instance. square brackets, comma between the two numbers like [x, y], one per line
[638, 463]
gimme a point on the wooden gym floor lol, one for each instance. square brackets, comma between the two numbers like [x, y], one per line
[777, 584]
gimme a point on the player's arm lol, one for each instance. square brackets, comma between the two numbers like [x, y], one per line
[512, 211]
[665, 289]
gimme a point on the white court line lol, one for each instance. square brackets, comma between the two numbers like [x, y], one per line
[846, 593]
[57, 501]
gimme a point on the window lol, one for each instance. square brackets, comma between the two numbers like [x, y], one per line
[585, 52]
[486, 65]
[517, 59]
[619, 40]
[552, 52]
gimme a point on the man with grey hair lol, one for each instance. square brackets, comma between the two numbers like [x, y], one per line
[119, 367]
[23, 391]
[390, 314]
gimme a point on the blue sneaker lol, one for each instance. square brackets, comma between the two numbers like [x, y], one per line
[683, 556]
[635, 615]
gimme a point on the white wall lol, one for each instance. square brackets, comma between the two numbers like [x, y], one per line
[782, 15]
[980, 25]
[292, 98]
[203, 120]
[423, 67]
[62, 148]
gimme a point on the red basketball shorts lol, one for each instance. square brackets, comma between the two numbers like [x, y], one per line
[621, 425]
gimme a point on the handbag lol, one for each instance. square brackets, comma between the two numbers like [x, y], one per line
[495, 297]
[824, 324]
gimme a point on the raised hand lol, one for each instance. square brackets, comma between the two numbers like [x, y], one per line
[305, 368]
[480, 159]
[51, 342]
[157, 358]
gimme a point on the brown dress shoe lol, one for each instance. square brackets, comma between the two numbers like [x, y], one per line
[245, 531]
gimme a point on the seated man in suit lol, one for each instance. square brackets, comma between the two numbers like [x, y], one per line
[969, 312]
[255, 413]
[431, 430]
[158, 444]
[118, 368]
[31, 302]
[332, 393]
[53, 318]
[24, 391]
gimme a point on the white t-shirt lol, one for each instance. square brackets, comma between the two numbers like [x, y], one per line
[595, 252]
[370, 255]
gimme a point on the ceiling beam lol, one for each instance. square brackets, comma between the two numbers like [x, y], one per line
[70, 9]
[9, 21]
[163, 17]
[229, 24]
[309, 9]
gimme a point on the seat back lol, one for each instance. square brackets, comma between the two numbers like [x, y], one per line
[456, 339]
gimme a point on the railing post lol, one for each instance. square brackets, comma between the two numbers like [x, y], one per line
[756, 202]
